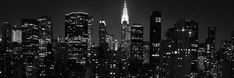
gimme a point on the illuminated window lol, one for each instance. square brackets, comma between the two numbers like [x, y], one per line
[176, 52]
[183, 29]
[194, 45]
[157, 19]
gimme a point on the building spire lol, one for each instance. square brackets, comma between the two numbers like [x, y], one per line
[125, 16]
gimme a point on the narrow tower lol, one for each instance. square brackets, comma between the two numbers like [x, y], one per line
[125, 40]
[125, 36]
[125, 17]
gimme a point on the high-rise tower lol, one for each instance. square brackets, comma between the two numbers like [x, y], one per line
[125, 40]
[178, 53]
[125, 17]
[155, 37]
[136, 41]
[77, 31]
[30, 48]
[125, 37]
[5, 66]
[136, 50]
[45, 58]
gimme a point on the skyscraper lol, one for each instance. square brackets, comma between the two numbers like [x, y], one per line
[6, 41]
[180, 59]
[103, 45]
[125, 36]
[211, 41]
[155, 37]
[45, 47]
[226, 60]
[104, 60]
[193, 33]
[136, 41]
[30, 48]
[16, 60]
[77, 31]
[103, 54]
[166, 51]
[46, 32]
[225, 66]
[202, 63]
[60, 57]
[146, 68]
[94, 61]
[125, 41]
[136, 55]
[210, 51]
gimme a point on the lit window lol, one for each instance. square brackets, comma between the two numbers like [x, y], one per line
[183, 29]
[157, 19]
[176, 52]
[168, 53]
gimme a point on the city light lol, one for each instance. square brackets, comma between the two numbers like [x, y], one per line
[85, 45]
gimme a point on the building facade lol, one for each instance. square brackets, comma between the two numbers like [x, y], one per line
[180, 59]
[45, 59]
[77, 31]
[155, 37]
[136, 55]
[6, 50]
[30, 48]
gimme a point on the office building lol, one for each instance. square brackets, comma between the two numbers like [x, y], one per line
[77, 31]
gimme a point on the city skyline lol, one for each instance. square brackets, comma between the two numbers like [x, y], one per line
[208, 13]
[174, 39]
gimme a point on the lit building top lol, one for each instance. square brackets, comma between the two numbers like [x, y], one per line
[103, 21]
[76, 13]
[125, 16]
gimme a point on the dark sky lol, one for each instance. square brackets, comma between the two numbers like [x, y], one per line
[219, 13]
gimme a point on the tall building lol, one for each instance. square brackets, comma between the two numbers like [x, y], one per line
[204, 70]
[180, 59]
[94, 61]
[125, 36]
[225, 66]
[6, 50]
[103, 54]
[166, 52]
[155, 37]
[77, 31]
[232, 64]
[60, 57]
[45, 66]
[103, 45]
[193, 33]
[125, 41]
[226, 60]
[210, 41]
[136, 55]
[146, 69]
[16, 60]
[136, 41]
[46, 32]
[113, 56]
[107, 54]
[146, 51]
[30, 48]
[210, 51]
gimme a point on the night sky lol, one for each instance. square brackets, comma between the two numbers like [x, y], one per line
[206, 12]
